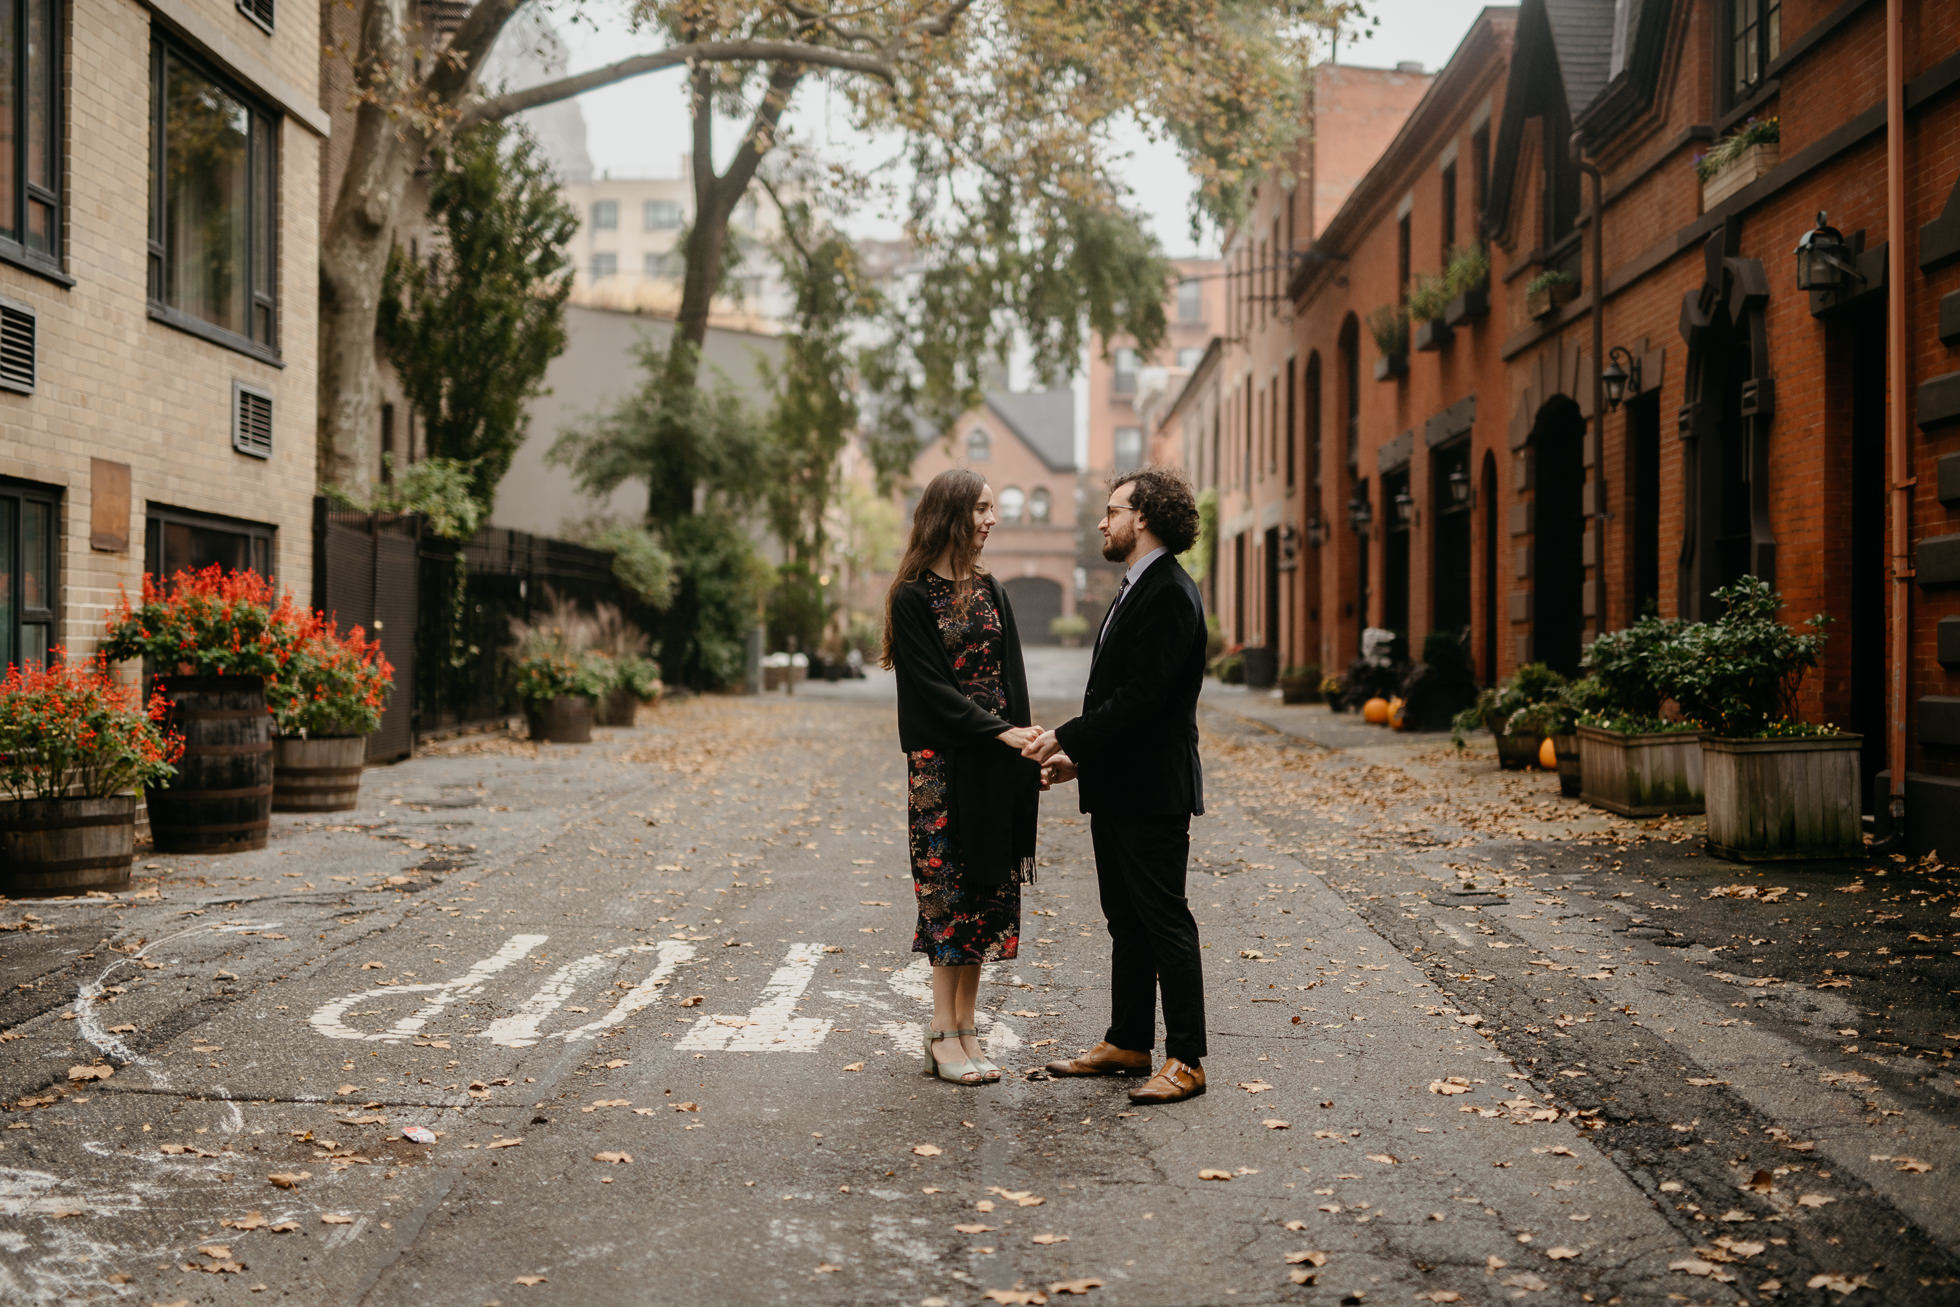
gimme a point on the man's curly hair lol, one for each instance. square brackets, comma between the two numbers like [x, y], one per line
[1164, 502]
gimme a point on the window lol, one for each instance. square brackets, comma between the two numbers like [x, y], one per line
[30, 130]
[259, 11]
[1129, 448]
[1755, 39]
[660, 215]
[1012, 502]
[1311, 401]
[1351, 388]
[1402, 256]
[1479, 175]
[177, 540]
[1449, 212]
[214, 179]
[28, 531]
[1292, 421]
[605, 265]
[1039, 506]
[1190, 301]
[1126, 372]
[605, 215]
[658, 264]
[1189, 357]
[979, 446]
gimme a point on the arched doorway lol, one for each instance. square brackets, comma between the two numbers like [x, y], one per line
[1558, 522]
[1487, 496]
[1037, 602]
[1449, 558]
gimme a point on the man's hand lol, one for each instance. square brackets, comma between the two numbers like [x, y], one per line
[1058, 770]
[1043, 747]
[1019, 738]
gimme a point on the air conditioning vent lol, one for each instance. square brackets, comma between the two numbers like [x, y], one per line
[16, 348]
[259, 11]
[251, 420]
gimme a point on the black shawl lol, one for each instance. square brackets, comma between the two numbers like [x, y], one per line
[995, 791]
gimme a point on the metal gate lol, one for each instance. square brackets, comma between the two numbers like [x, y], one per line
[365, 574]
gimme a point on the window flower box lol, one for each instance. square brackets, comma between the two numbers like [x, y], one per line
[1546, 295]
[1470, 306]
[1745, 168]
[1431, 335]
[1391, 366]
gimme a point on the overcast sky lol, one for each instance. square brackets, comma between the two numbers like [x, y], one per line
[639, 128]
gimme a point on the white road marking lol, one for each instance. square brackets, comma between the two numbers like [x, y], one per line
[327, 1020]
[90, 1024]
[915, 982]
[521, 1029]
[772, 1026]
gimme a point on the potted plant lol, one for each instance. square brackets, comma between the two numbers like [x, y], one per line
[1549, 291]
[213, 638]
[1738, 159]
[558, 689]
[1467, 274]
[75, 745]
[1442, 684]
[1389, 325]
[639, 676]
[1300, 684]
[1777, 787]
[1332, 690]
[1229, 667]
[1427, 300]
[1498, 705]
[1634, 760]
[1071, 629]
[326, 700]
[1552, 721]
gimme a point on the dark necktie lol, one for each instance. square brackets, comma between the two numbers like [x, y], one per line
[1110, 616]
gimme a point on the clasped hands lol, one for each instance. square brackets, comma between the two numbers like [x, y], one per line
[1041, 746]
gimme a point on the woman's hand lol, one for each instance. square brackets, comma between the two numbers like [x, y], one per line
[1018, 738]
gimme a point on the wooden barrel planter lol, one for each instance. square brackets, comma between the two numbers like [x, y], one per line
[66, 846]
[1647, 775]
[1566, 749]
[1518, 751]
[319, 773]
[564, 720]
[221, 799]
[1783, 798]
[620, 708]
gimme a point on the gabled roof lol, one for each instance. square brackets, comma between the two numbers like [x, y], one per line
[1641, 40]
[1043, 419]
[1582, 34]
[1563, 57]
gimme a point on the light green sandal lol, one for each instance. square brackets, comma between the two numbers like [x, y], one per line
[987, 1068]
[955, 1073]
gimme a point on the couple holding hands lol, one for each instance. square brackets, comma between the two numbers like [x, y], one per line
[976, 763]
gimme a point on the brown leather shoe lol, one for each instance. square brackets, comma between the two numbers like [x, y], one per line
[1173, 1083]
[1105, 1059]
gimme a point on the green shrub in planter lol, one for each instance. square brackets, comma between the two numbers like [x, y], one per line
[1229, 668]
[1497, 705]
[1300, 684]
[1070, 628]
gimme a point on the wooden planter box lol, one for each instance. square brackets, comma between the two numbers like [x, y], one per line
[1748, 166]
[1432, 335]
[1775, 799]
[66, 846]
[1547, 300]
[1467, 307]
[1390, 366]
[1649, 775]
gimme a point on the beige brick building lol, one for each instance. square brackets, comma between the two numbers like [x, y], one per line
[157, 301]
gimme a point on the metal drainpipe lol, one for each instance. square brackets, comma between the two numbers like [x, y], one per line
[1896, 384]
[1598, 365]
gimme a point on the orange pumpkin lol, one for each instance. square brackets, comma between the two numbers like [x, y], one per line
[1395, 714]
[1547, 755]
[1375, 711]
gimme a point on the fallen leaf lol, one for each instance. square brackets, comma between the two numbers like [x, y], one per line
[1705, 1081]
[1302, 1277]
[826, 1268]
[1082, 1285]
[1561, 1254]
[216, 1251]
[854, 1066]
[1019, 1197]
[1705, 1269]
[1254, 1086]
[528, 1280]
[100, 1071]
[1814, 1200]
[694, 1000]
[928, 1150]
[1049, 1238]
[335, 1218]
[1386, 1159]
[1838, 1283]
[289, 1179]
[504, 1143]
[1210, 1174]
[974, 1229]
[1735, 1216]
[1527, 1281]
[1913, 1165]
[1274, 1123]
[1023, 1012]
[1296, 1225]
[1015, 1297]
[249, 1221]
[1454, 1085]
[685, 1107]
[1306, 1258]
[284, 1227]
[617, 1159]
[1440, 1295]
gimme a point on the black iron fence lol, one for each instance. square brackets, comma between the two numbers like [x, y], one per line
[445, 611]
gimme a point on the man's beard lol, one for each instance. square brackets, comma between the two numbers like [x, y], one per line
[1115, 551]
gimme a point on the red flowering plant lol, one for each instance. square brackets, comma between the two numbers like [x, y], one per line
[206, 623]
[70, 729]
[330, 683]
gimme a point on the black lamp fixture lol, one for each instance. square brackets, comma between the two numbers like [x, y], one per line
[1461, 494]
[1361, 512]
[1823, 260]
[1405, 507]
[1621, 379]
[1316, 529]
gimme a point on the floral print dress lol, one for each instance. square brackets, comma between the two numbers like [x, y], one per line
[959, 924]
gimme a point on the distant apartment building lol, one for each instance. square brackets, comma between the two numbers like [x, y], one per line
[628, 253]
[159, 173]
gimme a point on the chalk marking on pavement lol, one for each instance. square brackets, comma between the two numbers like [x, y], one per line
[327, 1020]
[772, 1025]
[520, 1030]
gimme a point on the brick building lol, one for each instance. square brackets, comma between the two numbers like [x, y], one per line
[1023, 442]
[157, 301]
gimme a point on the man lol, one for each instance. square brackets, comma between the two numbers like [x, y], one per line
[1134, 752]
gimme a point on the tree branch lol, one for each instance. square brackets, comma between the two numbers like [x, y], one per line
[502, 106]
[761, 134]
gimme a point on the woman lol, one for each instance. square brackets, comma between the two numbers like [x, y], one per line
[962, 720]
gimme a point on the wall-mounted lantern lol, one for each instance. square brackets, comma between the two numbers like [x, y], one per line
[1316, 529]
[1405, 508]
[1621, 379]
[1461, 493]
[1361, 513]
[1823, 262]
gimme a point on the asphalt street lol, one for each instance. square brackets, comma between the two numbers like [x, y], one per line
[653, 1002]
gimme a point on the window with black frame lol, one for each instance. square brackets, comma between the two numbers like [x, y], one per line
[177, 540]
[1755, 40]
[30, 131]
[29, 528]
[214, 190]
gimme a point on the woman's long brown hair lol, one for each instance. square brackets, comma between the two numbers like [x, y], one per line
[943, 521]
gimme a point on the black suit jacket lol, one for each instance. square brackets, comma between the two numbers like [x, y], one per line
[1135, 746]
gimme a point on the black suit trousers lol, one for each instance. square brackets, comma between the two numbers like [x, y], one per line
[1140, 866]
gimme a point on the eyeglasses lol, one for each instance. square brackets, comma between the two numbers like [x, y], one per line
[1110, 510]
